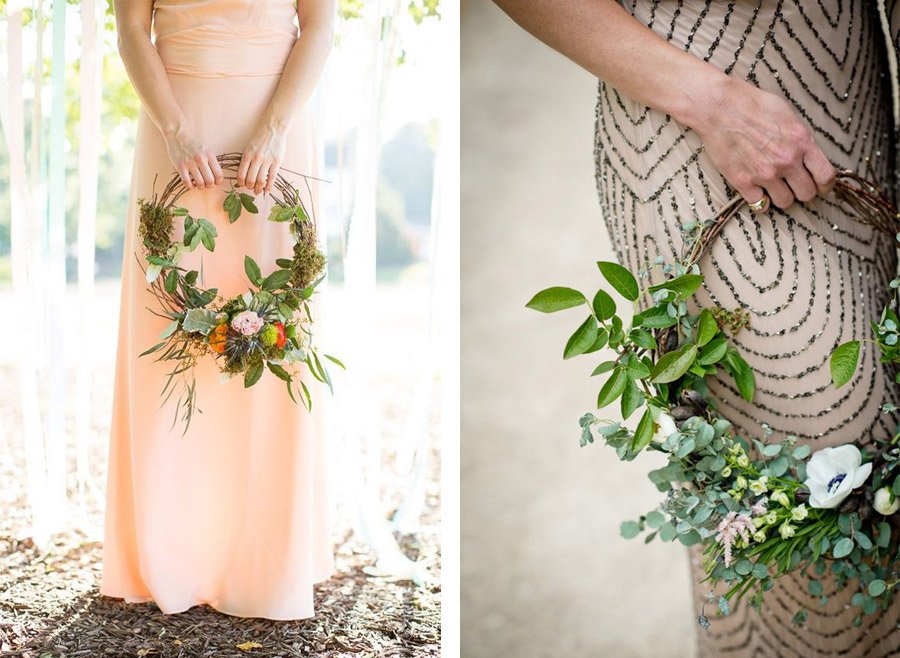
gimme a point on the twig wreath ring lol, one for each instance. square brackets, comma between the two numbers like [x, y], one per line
[267, 327]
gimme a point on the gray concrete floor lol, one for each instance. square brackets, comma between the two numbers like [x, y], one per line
[544, 570]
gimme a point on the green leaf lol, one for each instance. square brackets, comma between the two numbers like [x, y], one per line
[772, 450]
[877, 587]
[171, 283]
[179, 212]
[336, 361]
[153, 349]
[620, 279]
[743, 377]
[895, 488]
[604, 305]
[613, 387]
[706, 327]
[632, 398]
[667, 532]
[673, 364]
[683, 286]
[713, 352]
[281, 214]
[276, 280]
[815, 587]
[284, 263]
[637, 369]
[279, 372]
[252, 270]
[583, 338]
[248, 202]
[199, 320]
[191, 277]
[844, 360]
[643, 339]
[253, 374]
[556, 299]
[603, 368]
[643, 434]
[655, 519]
[655, 317]
[306, 397]
[170, 329]
[843, 548]
[207, 239]
[629, 529]
[232, 206]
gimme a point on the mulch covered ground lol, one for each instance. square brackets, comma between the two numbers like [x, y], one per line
[50, 606]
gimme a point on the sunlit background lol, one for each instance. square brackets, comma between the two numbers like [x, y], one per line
[69, 116]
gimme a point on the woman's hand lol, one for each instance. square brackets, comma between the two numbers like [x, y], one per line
[197, 166]
[760, 144]
[262, 158]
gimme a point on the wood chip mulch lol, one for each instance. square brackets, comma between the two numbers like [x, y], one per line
[50, 606]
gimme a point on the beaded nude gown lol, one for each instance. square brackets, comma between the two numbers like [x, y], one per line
[810, 277]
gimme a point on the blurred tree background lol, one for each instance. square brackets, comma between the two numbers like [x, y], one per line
[404, 189]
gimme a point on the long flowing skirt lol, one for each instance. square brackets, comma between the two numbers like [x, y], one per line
[234, 514]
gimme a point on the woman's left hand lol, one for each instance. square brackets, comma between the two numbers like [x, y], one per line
[262, 158]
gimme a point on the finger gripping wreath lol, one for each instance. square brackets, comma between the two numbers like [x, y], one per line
[759, 507]
[268, 327]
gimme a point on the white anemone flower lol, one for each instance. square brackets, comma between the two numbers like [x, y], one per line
[832, 473]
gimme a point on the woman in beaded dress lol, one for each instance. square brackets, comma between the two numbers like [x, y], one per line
[702, 99]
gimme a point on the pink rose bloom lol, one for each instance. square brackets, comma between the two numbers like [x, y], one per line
[247, 323]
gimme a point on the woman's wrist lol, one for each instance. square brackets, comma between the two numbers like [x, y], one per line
[276, 123]
[702, 95]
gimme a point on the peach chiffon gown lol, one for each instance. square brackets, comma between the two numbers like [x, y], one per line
[234, 514]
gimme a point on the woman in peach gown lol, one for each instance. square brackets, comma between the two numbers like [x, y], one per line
[234, 513]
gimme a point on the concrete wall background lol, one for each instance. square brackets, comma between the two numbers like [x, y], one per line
[544, 570]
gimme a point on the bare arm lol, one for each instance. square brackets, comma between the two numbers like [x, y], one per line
[196, 165]
[754, 138]
[264, 153]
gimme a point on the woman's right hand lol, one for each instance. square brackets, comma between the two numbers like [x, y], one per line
[759, 143]
[197, 166]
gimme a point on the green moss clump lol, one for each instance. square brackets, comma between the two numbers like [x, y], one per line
[308, 262]
[156, 223]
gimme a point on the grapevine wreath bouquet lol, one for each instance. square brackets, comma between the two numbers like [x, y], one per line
[759, 507]
[268, 327]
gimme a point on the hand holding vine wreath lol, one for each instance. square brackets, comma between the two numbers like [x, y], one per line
[267, 327]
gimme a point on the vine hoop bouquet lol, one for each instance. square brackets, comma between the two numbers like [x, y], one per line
[759, 507]
[268, 327]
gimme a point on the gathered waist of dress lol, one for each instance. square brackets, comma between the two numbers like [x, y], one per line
[219, 51]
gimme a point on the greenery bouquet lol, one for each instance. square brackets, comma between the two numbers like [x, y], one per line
[760, 507]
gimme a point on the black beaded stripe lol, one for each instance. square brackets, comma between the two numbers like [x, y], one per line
[810, 277]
